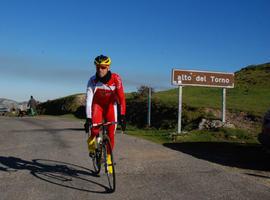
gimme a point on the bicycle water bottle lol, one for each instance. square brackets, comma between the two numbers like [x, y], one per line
[98, 140]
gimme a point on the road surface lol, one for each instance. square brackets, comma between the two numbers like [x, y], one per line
[46, 158]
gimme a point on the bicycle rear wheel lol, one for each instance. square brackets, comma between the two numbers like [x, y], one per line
[107, 148]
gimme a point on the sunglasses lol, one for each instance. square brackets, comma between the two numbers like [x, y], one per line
[101, 67]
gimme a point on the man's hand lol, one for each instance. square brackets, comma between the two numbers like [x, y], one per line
[123, 122]
[87, 124]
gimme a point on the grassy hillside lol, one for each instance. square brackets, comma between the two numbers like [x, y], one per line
[251, 92]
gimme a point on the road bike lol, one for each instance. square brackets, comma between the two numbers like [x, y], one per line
[100, 157]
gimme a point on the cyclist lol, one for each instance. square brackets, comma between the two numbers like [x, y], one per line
[104, 91]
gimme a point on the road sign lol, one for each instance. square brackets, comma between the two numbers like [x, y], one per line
[202, 78]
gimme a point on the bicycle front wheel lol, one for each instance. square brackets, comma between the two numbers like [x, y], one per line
[97, 159]
[109, 165]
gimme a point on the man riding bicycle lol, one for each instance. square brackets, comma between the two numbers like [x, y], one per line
[104, 91]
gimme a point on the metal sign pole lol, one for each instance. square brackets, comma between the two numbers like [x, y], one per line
[149, 107]
[179, 109]
[223, 105]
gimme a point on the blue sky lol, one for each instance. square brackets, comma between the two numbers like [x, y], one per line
[47, 47]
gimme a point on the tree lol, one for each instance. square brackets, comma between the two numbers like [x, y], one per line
[143, 91]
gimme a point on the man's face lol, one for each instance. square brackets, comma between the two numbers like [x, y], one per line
[102, 70]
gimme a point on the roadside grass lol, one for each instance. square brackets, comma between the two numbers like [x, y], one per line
[219, 135]
[157, 136]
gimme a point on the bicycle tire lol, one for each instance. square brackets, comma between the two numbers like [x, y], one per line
[110, 176]
[97, 159]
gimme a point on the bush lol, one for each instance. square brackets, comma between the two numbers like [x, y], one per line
[163, 116]
[72, 104]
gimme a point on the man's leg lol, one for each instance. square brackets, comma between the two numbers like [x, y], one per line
[111, 116]
[96, 118]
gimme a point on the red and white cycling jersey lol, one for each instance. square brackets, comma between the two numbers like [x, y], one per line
[105, 94]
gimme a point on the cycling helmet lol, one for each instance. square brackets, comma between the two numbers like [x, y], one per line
[102, 60]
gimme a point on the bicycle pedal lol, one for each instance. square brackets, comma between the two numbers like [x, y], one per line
[111, 164]
[91, 155]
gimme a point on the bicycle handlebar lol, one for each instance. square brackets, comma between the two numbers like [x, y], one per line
[103, 124]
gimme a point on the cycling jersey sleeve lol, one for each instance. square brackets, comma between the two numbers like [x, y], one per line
[89, 99]
[120, 94]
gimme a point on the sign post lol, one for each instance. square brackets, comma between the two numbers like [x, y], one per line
[223, 105]
[179, 109]
[205, 79]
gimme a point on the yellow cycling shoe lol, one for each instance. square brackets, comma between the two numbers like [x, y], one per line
[91, 145]
[109, 164]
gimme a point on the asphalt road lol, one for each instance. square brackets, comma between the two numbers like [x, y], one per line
[46, 158]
